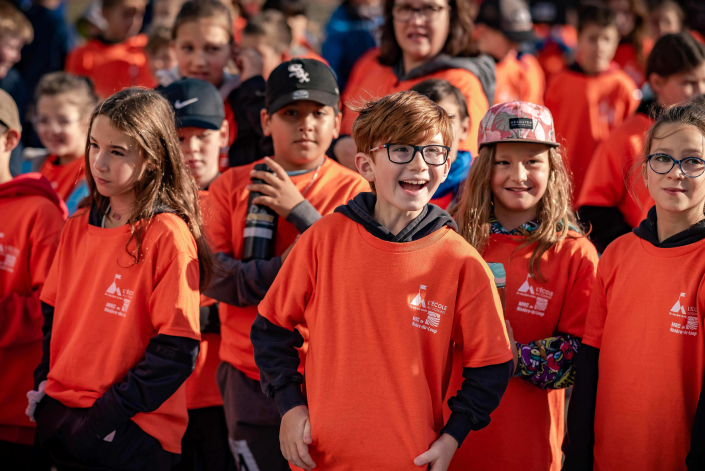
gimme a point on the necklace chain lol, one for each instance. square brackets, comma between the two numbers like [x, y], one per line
[315, 175]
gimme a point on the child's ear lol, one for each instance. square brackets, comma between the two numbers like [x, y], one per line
[224, 134]
[365, 166]
[656, 82]
[11, 138]
[338, 121]
[464, 129]
[265, 119]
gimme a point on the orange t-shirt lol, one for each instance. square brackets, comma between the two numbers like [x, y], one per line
[519, 79]
[335, 185]
[647, 306]
[63, 178]
[112, 67]
[370, 79]
[107, 309]
[201, 387]
[536, 310]
[585, 110]
[382, 318]
[29, 235]
[607, 181]
[626, 57]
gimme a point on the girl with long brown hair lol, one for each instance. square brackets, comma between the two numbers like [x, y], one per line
[121, 302]
[515, 210]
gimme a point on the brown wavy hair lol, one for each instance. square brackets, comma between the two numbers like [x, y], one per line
[147, 117]
[459, 42]
[554, 211]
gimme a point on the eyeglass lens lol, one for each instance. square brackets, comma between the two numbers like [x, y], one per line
[406, 12]
[433, 155]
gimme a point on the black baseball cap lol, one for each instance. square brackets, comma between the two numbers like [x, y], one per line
[196, 103]
[511, 17]
[301, 79]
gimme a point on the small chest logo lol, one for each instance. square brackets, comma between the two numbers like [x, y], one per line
[8, 257]
[687, 322]
[431, 310]
[536, 298]
[120, 298]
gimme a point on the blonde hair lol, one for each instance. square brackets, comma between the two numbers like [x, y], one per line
[553, 211]
[401, 118]
[13, 22]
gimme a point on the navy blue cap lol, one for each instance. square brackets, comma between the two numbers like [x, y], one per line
[196, 103]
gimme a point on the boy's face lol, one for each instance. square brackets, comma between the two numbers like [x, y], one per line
[493, 42]
[461, 127]
[406, 187]
[271, 58]
[10, 47]
[124, 20]
[61, 128]
[664, 21]
[680, 87]
[163, 59]
[596, 47]
[201, 150]
[164, 11]
[202, 50]
[301, 132]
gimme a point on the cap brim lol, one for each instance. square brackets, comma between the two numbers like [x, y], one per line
[520, 36]
[319, 96]
[203, 122]
[532, 141]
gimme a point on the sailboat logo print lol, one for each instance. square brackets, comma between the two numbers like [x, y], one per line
[419, 300]
[678, 307]
[526, 287]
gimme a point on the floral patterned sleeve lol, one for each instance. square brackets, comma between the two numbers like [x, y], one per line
[548, 363]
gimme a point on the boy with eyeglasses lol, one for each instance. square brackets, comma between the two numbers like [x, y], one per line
[381, 317]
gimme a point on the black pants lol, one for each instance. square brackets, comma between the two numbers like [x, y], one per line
[253, 422]
[19, 457]
[205, 444]
[72, 448]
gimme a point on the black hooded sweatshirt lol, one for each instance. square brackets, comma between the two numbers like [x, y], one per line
[278, 360]
[578, 445]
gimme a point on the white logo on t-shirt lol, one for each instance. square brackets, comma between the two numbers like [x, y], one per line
[432, 309]
[123, 295]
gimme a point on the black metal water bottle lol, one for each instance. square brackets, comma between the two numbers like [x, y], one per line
[260, 226]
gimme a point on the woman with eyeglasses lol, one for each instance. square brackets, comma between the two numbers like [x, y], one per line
[421, 39]
[637, 402]
[676, 72]
[64, 104]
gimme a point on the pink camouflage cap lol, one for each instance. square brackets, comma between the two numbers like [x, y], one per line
[517, 121]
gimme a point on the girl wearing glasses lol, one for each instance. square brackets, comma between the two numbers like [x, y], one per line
[64, 104]
[421, 39]
[515, 210]
[676, 72]
[647, 308]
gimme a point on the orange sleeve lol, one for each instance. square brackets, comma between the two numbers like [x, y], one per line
[286, 301]
[74, 62]
[478, 325]
[220, 225]
[478, 105]
[597, 311]
[604, 180]
[577, 298]
[352, 90]
[174, 303]
[630, 88]
[22, 313]
[536, 79]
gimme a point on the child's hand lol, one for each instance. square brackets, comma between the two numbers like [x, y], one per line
[512, 344]
[250, 63]
[440, 453]
[295, 436]
[280, 193]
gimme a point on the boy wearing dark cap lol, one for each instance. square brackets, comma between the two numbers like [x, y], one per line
[301, 115]
[32, 218]
[203, 131]
[502, 25]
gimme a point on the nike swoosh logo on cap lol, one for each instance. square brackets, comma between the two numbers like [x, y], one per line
[180, 104]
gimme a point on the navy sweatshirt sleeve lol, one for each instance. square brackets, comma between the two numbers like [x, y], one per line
[242, 283]
[42, 370]
[479, 395]
[606, 225]
[278, 361]
[578, 446]
[695, 461]
[167, 363]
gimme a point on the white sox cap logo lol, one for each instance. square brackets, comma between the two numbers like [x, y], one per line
[297, 70]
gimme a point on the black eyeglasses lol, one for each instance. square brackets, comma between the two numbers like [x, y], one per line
[691, 167]
[404, 13]
[432, 154]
